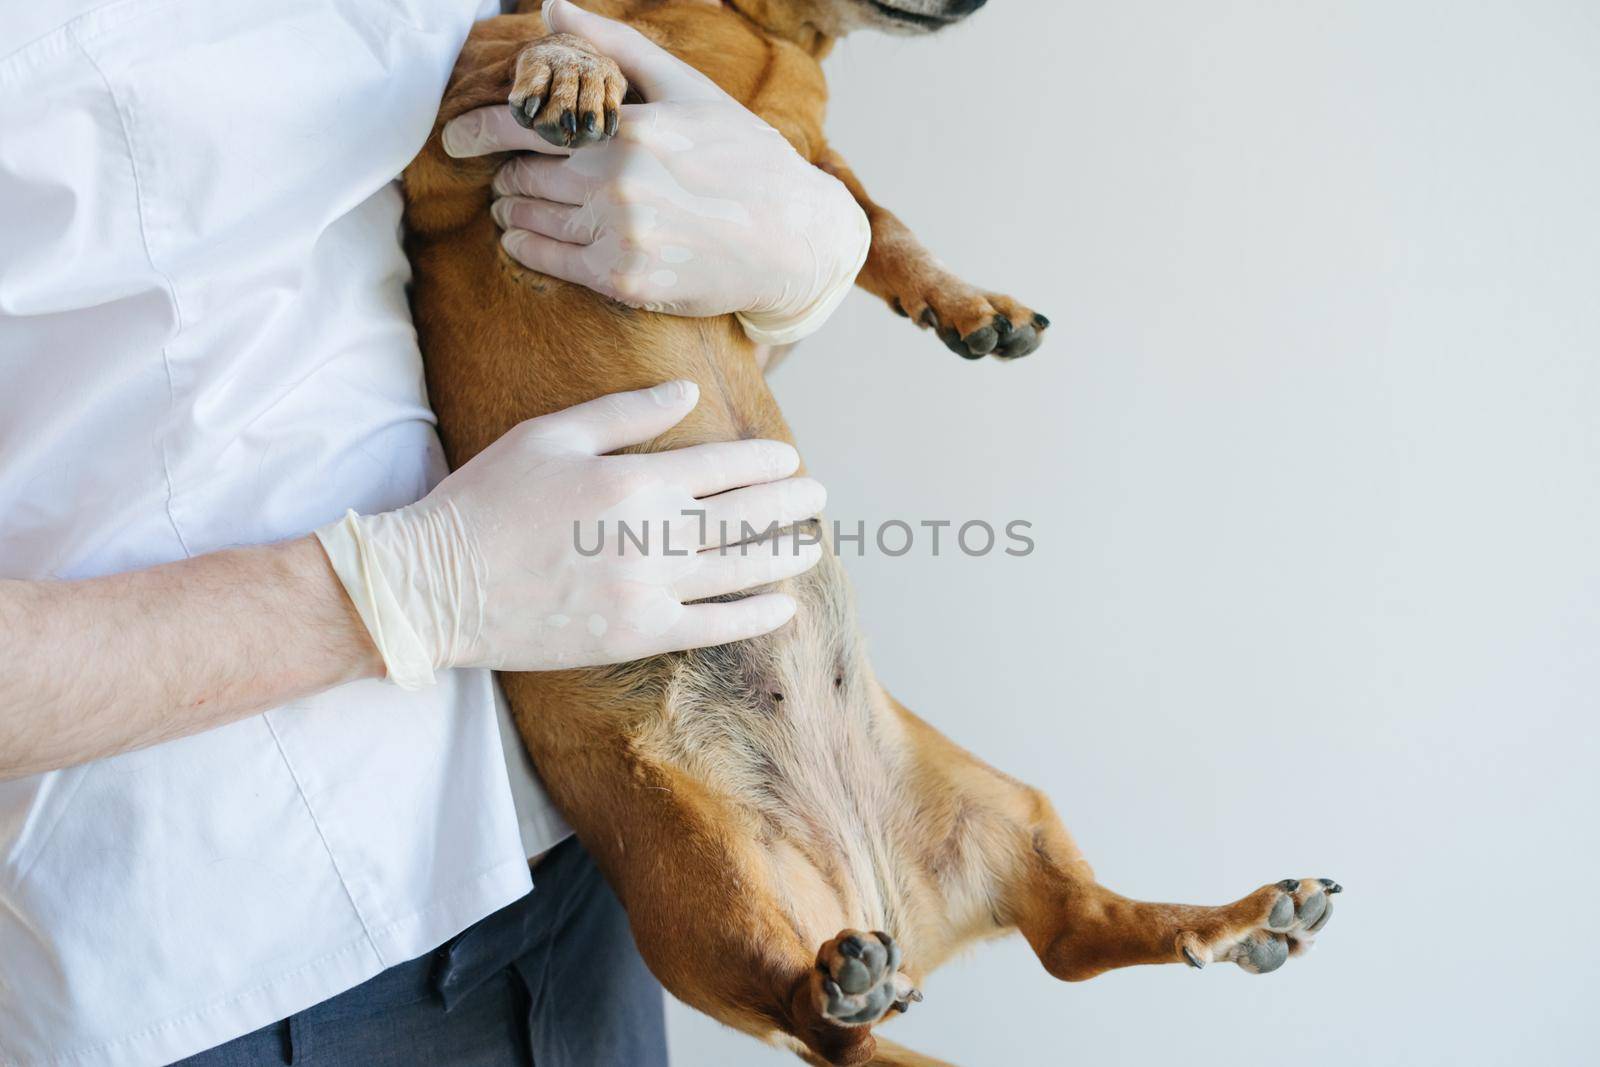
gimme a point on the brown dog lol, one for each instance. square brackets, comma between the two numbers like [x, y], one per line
[757, 806]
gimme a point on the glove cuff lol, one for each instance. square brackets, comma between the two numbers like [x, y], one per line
[785, 327]
[350, 552]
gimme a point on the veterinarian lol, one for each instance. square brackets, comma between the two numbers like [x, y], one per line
[254, 801]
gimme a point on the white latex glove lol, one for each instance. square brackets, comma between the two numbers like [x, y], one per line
[493, 568]
[696, 207]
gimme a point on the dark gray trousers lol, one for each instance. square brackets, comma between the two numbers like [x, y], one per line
[552, 979]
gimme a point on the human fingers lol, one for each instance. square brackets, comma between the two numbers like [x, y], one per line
[547, 178]
[560, 222]
[739, 567]
[740, 514]
[608, 423]
[707, 469]
[704, 625]
[486, 130]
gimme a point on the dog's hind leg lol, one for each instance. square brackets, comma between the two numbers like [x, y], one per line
[699, 887]
[999, 857]
[887, 1054]
[1080, 929]
[744, 963]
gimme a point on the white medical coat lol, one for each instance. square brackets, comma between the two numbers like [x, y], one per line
[205, 342]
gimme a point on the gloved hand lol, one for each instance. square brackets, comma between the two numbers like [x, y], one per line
[497, 567]
[696, 207]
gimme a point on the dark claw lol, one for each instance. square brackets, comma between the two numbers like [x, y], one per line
[1330, 885]
[899, 308]
[588, 132]
[524, 114]
[851, 947]
[914, 996]
[831, 988]
[1002, 325]
[930, 317]
[1040, 322]
[552, 132]
[1289, 885]
[1194, 961]
[569, 123]
[613, 120]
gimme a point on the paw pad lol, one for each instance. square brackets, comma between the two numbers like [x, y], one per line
[859, 980]
[1296, 910]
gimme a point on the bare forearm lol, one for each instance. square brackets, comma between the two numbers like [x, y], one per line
[97, 667]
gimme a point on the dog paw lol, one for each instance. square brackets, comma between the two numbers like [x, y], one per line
[566, 91]
[1264, 929]
[857, 979]
[970, 322]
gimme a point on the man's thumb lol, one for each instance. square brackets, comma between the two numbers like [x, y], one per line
[651, 70]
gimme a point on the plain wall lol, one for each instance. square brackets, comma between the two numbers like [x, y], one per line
[1311, 458]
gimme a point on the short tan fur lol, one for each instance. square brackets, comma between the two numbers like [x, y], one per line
[795, 849]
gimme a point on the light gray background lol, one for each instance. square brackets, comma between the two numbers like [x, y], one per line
[1311, 454]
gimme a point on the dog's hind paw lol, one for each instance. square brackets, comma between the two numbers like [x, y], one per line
[566, 91]
[1264, 929]
[857, 978]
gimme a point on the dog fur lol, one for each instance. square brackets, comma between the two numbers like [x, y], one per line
[796, 850]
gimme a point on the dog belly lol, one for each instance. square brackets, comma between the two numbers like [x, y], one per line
[504, 345]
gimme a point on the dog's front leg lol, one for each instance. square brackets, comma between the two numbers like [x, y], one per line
[556, 84]
[972, 322]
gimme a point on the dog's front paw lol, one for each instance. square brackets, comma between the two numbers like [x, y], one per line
[972, 323]
[566, 91]
[858, 979]
[998, 333]
[1264, 929]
